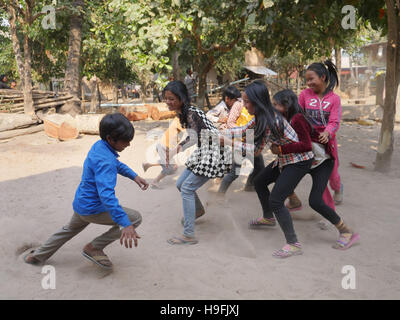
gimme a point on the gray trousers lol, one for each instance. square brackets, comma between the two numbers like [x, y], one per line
[77, 224]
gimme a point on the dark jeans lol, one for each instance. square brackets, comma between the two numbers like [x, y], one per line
[274, 201]
[232, 176]
[320, 177]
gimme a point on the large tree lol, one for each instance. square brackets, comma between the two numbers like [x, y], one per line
[212, 29]
[129, 41]
[23, 20]
[72, 71]
[384, 16]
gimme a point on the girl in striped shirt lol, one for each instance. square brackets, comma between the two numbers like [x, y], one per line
[286, 171]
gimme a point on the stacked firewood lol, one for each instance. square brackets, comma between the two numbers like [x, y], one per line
[12, 101]
[155, 111]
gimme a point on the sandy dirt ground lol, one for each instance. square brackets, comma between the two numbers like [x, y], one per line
[38, 179]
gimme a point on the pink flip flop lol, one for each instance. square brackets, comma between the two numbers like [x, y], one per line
[342, 245]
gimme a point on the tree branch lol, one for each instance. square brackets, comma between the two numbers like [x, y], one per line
[217, 47]
[16, 5]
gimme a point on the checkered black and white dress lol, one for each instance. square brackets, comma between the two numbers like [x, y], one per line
[210, 159]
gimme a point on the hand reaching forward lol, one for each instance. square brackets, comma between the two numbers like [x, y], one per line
[127, 235]
[142, 183]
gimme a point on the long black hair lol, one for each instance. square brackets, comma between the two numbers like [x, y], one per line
[179, 89]
[288, 99]
[327, 69]
[265, 114]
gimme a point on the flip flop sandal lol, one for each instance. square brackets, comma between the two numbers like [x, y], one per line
[343, 243]
[178, 240]
[97, 259]
[262, 222]
[287, 251]
[35, 262]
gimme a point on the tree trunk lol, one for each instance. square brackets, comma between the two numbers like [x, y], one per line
[380, 87]
[93, 95]
[114, 93]
[28, 99]
[202, 90]
[16, 44]
[203, 82]
[71, 81]
[338, 60]
[175, 65]
[392, 83]
[143, 90]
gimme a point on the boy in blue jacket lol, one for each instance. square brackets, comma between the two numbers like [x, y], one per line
[95, 200]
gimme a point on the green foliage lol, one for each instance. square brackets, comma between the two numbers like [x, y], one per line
[310, 27]
[211, 29]
[129, 40]
[8, 65]
[126, 40]
[48, 46]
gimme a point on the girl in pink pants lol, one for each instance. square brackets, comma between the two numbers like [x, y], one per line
[324, 108]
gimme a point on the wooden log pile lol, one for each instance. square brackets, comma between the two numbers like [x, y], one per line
[65, 127]
[12, 125]
[156, 111]
[12, 101]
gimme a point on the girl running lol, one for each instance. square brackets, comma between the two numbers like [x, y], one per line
[286, 103]
[286, 171]
[323, 107]
[208, 161]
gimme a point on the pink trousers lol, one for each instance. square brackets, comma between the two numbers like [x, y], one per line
[334, 180]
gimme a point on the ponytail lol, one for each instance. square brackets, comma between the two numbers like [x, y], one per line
[333, 75]
[327, 69]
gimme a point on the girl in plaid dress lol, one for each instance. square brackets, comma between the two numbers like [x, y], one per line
[208, 161]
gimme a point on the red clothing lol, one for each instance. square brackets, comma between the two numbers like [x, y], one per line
[303, 130]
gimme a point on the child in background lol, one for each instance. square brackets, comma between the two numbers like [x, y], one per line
[219, 114]
[168, 142]
[323, 107]
[95, 200]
